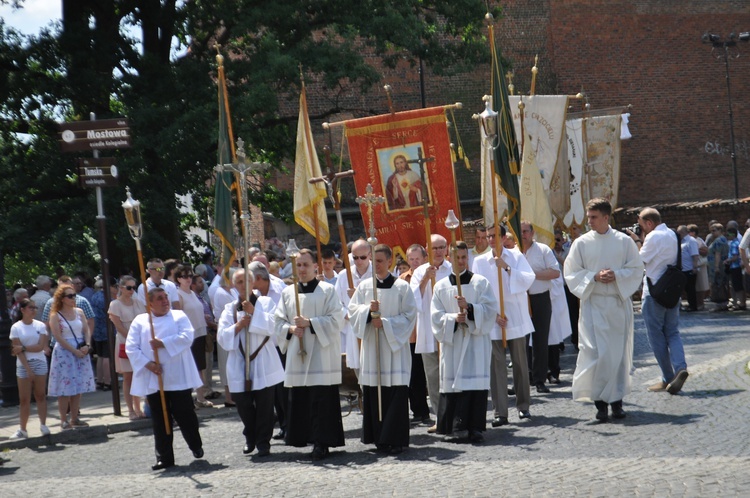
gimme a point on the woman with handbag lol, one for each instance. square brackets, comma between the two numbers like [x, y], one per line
[70, 372]
[121, 312]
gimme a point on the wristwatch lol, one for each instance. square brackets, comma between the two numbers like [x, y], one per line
[23, 348]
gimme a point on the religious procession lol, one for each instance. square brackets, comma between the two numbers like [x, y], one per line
[429, 322]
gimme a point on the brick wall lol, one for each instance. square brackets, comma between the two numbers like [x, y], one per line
[645, 53]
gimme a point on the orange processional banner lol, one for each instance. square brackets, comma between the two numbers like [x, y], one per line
[383, 151]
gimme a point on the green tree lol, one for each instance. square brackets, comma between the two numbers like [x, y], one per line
[163, 82]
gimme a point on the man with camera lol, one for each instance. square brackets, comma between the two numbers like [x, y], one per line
[659, 248]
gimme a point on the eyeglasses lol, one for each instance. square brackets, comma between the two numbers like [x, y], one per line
[185, 276]
[558, 240]
[362, 258]
[128, 287]
[157, 268]
[70, 296]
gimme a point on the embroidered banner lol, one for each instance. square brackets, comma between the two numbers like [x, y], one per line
[383, 150]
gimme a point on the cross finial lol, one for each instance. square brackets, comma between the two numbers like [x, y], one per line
[371, 200]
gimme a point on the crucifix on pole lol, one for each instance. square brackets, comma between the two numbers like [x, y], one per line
[371, 200]
[242, 170]
[425, 201]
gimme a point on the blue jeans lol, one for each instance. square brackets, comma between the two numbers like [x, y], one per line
[664, 337]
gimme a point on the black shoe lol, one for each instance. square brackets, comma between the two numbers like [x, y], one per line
[162, 465]
[264, 452]
[552, 379]
[617, 411]
[396, 450]
[511, 391]
[427, 420]
[601, 411]
[476, 437]
[383, 448]
[541, 388]
[499, 421]
[247, 449]
[677, 383]
[280, 435]
[522, 414]
[456, 437]
[198, 453]
[319, 452]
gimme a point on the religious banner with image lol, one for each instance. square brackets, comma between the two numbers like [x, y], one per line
[384, 151]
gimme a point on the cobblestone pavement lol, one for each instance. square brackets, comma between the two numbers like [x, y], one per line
[692, 444]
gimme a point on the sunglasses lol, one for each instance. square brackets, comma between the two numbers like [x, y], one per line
[70, 296]
[158, 268]
[128, 287]
[355, 258]
[185, 276]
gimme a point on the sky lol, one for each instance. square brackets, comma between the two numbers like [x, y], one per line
[34, 15]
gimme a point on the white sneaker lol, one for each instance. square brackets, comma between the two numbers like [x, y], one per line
[20, 434]
[44, 429]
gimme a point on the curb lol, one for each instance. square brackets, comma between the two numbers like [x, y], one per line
[86, 434]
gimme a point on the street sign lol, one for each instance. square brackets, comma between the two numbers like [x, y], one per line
[95, 135]
[99, 172]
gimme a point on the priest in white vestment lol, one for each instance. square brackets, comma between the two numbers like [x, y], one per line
[604, 269]
[385, 361]
[462, 326]
[314, 410]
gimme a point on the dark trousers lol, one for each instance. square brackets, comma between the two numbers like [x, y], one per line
[180, 407]
[538, 353]
[574, 305]
[463, 411]
[418, 386]
[690, 290]
[281, 396]
[255, 409]
[553, 360]
[394, 428]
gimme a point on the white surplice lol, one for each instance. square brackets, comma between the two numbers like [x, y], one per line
[349, 343]
[605, 326]
[464, 351]
[425, 339]
[398, 314]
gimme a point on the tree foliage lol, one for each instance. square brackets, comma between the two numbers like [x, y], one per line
[153, 62]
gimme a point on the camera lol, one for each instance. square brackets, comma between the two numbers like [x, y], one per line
[636, 229]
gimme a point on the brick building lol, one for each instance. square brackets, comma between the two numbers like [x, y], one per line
[645, 53]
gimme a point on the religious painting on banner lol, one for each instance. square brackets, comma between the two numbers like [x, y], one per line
[384, 152]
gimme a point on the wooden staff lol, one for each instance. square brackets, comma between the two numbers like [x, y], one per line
[293, 251]
[371, 200]
[425, 203]
[133, 216]
[452, 223]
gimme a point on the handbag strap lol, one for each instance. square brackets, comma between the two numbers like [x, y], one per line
[679, 251]
[69, 326]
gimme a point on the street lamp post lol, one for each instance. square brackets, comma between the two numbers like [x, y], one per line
[720, 50]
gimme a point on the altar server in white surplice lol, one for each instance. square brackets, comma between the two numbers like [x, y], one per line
[246, 326]
[397, 316]
[603, 269]
[314, 410]
[361, 271]
[517, 277]
[462, 326]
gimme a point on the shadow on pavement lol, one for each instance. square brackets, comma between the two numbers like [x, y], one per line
[637, 417]
[711, 393]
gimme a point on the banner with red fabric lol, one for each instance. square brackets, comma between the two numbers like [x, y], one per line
[383, 151]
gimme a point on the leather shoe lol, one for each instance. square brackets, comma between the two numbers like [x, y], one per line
[456, 437]
[499, 421]
[658, 387]
[198, 453]
[319, 452]
[476, 437]
[601, 411]
[280, 435]
[263, 452]
[162, 465]
[676, 384]
[396, 450]
[524, 414]
[511, 391]
[247, 449]
[617, 411]
[541, 388]
[432, 429]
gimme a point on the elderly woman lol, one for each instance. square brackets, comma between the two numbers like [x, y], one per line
[70, 372]
[30, 341]
[121, 312]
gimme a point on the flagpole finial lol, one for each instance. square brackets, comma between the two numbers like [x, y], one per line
[219, 57]
[489, 17]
